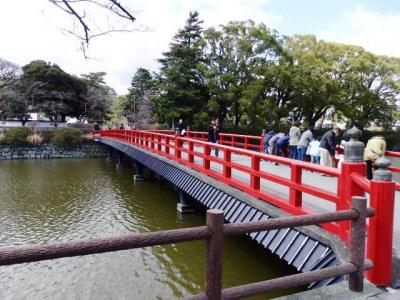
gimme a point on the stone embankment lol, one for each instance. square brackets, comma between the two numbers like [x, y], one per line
[50, 151]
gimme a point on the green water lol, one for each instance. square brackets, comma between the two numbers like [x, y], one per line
[62, 200]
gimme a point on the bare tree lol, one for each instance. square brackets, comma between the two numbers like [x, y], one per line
[9, 72]
[115, 17]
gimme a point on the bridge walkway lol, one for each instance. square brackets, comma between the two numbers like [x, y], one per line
[328, 183]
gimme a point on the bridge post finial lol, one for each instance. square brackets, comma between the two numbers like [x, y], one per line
[354, 149]
[383, 173]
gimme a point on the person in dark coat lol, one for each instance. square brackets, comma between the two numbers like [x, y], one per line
[213, 134]
[328, 146]
[181, 127]
[281, 146]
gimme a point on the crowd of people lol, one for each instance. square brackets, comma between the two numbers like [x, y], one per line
[323, 150]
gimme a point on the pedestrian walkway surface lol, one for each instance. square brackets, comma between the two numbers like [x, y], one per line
[311, 178]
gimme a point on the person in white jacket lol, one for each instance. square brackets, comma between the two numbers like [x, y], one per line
[313, 150]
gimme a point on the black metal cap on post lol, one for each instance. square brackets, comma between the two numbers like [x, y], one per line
[354, 149]
[383, 173]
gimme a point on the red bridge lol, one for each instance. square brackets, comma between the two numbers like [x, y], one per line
[293, 186]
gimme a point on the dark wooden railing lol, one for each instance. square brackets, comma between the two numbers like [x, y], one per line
[213, 232]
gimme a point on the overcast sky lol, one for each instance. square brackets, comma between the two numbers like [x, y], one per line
[30, 30]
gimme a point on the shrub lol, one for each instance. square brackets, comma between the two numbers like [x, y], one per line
[2, 136]
[47, 136]
[17, 136]
[34, 139]
[83, 127]
[67, 137]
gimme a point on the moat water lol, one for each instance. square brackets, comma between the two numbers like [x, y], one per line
[62, 200]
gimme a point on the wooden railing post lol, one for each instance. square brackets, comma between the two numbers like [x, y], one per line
[215, 222]
[255, 166]
[357, 244]
[295, 196]
[380, 229]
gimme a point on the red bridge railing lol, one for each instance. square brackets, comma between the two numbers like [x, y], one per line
[195, 153]
[254, 142]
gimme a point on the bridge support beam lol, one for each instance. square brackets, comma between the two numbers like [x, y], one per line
[183, 205]
[108, 158]
[138, 169]
[119, 161]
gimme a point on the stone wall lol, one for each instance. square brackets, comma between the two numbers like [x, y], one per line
[47, 151]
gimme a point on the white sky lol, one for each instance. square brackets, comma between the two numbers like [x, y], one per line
[30, 29]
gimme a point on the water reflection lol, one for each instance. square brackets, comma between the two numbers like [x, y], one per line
[63, 200]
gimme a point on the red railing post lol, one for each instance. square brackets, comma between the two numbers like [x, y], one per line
[347, 188]
[207, 153]
[246, 142]
[255, 166]
[146, 139]
[380, 230]
[177, 148]
[167, 139]
[233, 141]
[152, 139]
[227, 170]
[190, 154]
[295, 196]
[159, 143]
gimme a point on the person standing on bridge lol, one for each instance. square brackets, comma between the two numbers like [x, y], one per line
[181, 127]
[314, 150]
[376, 148]
[213, 134]
[328, 147]
[294, 137]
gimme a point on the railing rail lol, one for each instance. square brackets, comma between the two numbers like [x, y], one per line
[213, 232]
[186, 150]
[196, 154]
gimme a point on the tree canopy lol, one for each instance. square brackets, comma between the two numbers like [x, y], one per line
[46, 89]
[250, 76]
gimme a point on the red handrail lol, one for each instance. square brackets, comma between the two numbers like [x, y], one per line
[253, 142]
[195, 153]
[162, 144]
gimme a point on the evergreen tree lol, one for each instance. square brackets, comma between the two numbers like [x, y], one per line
[139, 107]
[183, 94]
